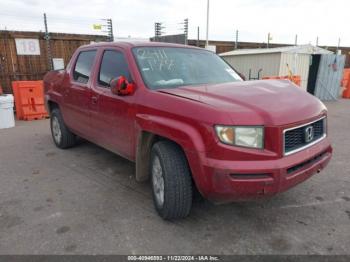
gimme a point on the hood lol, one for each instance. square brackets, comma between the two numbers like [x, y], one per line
[272, 102]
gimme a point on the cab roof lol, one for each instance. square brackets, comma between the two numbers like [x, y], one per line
[131, 44]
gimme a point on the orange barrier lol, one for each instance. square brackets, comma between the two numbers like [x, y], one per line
[346, 83]
[346, 92]
[271, 77]
[346, 77]
[295, 79]
[29, 100]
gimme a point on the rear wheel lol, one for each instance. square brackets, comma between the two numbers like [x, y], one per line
[171, 180]
[61, 135]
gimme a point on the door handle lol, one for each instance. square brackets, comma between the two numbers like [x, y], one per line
[94, 99]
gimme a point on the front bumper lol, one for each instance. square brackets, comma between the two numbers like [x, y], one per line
[227, 181]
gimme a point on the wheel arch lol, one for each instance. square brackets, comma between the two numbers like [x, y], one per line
[153, 129]
[52, 105]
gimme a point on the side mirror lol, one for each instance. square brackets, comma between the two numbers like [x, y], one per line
[121, 86]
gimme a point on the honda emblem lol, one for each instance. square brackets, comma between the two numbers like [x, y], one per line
[309, 134]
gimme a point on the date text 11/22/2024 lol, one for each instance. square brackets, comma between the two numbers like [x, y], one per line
[173, 258]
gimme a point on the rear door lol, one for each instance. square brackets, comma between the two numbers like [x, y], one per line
[112, 116]
[77, 97]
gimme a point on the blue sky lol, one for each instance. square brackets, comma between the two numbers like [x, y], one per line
[326, 19]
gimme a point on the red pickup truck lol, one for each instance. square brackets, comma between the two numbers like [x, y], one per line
[188, 121]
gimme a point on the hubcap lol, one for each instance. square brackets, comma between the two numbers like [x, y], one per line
[158, 181]
[56, 130]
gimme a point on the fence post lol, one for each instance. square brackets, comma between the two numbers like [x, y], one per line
[110, 29]
[236, 42]
[47, 38]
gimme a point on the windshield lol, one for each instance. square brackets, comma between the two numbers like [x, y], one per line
[169, 67]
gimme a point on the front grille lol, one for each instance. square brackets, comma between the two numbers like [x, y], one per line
[296, 139]
[305, 163]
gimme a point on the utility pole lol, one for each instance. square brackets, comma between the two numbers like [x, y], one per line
[236, 42]
[296, 40]
[198, 36]
[338, 44]
[316, 41]
[268, 40]
[110, 30]
[186, 30]
[48, 47]
[207, 33]
[158, 31]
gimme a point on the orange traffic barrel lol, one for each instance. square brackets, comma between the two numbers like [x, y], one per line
[29, 100]
[346, 92]
[346, 77]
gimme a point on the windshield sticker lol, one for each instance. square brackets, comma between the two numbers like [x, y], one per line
[170, 82]
[156, 59]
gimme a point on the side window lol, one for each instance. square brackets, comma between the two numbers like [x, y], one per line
[82, 70]
[113, 65]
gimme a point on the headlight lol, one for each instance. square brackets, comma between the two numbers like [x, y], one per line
[245, 136]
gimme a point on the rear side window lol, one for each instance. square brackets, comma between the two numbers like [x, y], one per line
[113, 65]
[82, 70]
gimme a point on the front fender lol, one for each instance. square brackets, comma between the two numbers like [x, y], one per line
[191, 140]
[188, 137]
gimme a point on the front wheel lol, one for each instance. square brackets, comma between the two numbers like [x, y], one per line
[171, 181]
[61, 135]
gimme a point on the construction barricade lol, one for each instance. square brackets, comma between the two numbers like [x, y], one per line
[295, 79]
[29, 100]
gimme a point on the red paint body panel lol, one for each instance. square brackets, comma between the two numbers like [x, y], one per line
[187, 115]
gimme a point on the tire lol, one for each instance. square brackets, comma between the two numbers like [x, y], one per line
[169, 168]
[61, 135]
